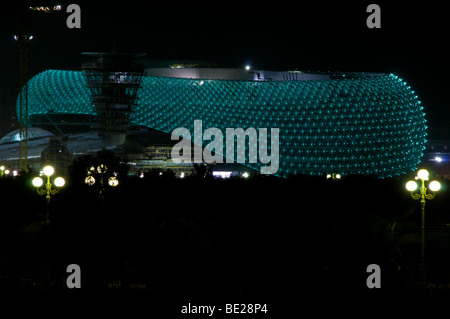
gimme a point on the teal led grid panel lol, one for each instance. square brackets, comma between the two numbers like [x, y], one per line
[57, 91]
[355, 124]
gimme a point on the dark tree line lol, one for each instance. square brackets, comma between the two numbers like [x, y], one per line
[257, 234]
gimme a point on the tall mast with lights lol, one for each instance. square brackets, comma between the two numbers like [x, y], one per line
[23, 38]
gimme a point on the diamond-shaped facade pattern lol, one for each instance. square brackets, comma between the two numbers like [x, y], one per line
[371, 124]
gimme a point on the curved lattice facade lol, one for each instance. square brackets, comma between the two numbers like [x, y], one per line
[370, 124]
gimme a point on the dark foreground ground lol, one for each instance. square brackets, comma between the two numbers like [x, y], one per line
[156, 244]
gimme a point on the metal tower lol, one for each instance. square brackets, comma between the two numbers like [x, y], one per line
[113, 79]
[23, 38]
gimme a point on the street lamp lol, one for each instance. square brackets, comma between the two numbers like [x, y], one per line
[3, 171]
[48, 190]
[434, 186]
[334, 176]
[98, 175]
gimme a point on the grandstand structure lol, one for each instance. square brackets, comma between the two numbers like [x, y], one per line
[346, 123]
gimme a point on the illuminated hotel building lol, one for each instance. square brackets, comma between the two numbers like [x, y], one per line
[346, 123]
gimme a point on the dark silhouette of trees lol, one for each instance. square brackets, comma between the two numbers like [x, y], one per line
[255, 235]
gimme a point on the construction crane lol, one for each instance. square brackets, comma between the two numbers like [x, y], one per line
[23, 38]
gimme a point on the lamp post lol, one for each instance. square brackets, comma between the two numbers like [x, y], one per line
[48, 191]
[434, 186]
[97, 178]
[334, 176]
[3, 171]
[412, 186]
[98, 175]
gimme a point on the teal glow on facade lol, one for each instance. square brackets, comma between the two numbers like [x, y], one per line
[371, 124]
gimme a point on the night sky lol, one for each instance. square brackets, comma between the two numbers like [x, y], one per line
[279, 35]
